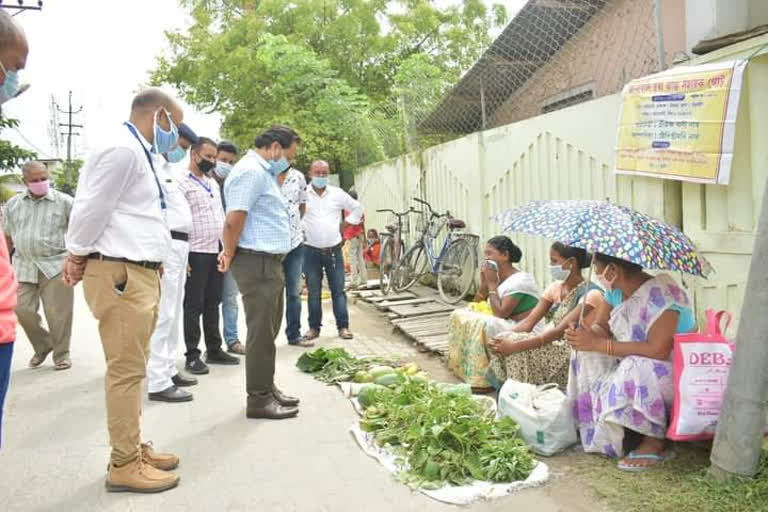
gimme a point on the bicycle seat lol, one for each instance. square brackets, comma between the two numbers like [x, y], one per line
[456, 224]
[390, 227]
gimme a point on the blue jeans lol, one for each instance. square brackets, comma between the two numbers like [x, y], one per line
[293, 267]
[6, 351]
[332, 262]
[229, 310]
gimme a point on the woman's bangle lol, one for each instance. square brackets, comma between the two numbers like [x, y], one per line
[492, 292]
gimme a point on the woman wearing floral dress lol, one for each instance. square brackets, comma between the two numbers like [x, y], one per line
[620, 373]
[511, 295]
[542, 358]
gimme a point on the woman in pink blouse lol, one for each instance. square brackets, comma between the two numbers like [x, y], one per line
[8, 287]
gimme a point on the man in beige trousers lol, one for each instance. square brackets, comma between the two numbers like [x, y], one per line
[35, 222]
[117, 239]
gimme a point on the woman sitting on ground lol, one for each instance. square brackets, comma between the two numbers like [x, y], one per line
[620, 374]
[510, 294]
[543, 358]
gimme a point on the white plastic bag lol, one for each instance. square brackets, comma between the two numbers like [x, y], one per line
[545, 419]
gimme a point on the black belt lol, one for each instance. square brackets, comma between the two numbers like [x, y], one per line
[327, 250]
[151, 265]
[278, 257]
[178, 235]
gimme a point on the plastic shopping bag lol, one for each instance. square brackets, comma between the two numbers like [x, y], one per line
[545, 419]
[702, 362]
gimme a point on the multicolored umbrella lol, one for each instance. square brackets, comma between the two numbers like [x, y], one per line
[611, 229]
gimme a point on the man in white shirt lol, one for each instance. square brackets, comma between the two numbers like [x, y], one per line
[117, 240]
[322, 253]
[163, 378]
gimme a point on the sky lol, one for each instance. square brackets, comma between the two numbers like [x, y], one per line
[103, 51]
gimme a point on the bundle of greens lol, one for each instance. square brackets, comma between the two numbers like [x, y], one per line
[336, 364]
[445, 437]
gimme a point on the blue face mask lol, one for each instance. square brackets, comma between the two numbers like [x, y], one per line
[10, 86]
[176, 155]
[165, 140]
[278, 166]
[222, 169]
[559, 273]
[320, 181]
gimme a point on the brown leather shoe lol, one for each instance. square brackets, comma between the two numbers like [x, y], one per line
[270, 409]
[283, 399]
[345, 334]
[138, 476]
[236, 348]
[164, 461]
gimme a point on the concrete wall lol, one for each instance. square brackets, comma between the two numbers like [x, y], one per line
[707, 19]
[569, 154]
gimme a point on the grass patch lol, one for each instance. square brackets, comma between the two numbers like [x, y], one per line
[680, 485]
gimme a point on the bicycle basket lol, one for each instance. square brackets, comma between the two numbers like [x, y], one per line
[436, 226]
[421, 223]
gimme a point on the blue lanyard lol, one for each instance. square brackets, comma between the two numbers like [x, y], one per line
[206, 187]
[132, 129]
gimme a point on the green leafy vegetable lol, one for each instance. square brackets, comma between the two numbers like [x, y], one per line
[446, 437]
[336, 364]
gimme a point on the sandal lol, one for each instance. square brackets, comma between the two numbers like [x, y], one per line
[312, 334]
[38, 359]
[656, 459]
[66, 364]
[346, 334]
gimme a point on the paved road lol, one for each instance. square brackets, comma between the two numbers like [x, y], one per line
[55, 445]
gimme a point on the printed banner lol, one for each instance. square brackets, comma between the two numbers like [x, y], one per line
[680, 124]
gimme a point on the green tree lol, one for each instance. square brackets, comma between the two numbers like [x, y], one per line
[11, 155]
[65, 176]
[5, 192]
[334, 69]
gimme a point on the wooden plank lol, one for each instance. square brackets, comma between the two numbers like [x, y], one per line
[426, 331]
[388, 303]
[411, 310]
[399, 296]
[407, 320]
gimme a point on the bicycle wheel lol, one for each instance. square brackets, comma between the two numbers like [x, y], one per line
[456, 272]
[386, 265]
[410, 268]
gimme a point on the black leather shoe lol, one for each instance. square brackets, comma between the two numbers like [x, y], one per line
[182, 381]
[283, 399]
[196, 366]
[171, 394]
[270, 409]
[220, 357]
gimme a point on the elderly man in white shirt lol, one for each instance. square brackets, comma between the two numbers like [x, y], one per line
[117, 239]
[322, 253]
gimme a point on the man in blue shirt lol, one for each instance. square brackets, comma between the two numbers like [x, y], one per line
[256, 239]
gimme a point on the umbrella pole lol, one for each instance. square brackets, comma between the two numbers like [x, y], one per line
[589, 282]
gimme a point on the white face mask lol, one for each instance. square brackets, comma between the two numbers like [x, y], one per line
[559, 273]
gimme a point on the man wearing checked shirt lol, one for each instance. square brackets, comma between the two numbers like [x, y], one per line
[256, 238]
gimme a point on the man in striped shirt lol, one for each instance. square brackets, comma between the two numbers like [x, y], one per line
[202, 295]
[35, 223]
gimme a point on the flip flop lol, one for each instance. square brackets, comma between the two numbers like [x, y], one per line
[312, 334]
[63, 365]
[38, 359]
[656, 458]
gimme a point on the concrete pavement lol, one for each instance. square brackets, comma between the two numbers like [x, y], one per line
[55, 447]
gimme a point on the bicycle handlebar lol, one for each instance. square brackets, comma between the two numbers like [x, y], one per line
[432, 212]
[401, 214]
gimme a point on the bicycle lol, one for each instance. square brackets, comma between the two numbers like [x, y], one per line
[455, 265]
[393, 246]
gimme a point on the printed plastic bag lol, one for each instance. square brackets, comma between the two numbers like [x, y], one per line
[702, 362]
[545, 419]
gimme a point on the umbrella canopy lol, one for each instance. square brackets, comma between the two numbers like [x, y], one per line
[611, 229]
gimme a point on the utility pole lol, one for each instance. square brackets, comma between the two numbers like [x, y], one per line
[739, 435]
[69, 125]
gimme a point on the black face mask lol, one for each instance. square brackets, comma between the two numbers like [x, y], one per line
[205, 166]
